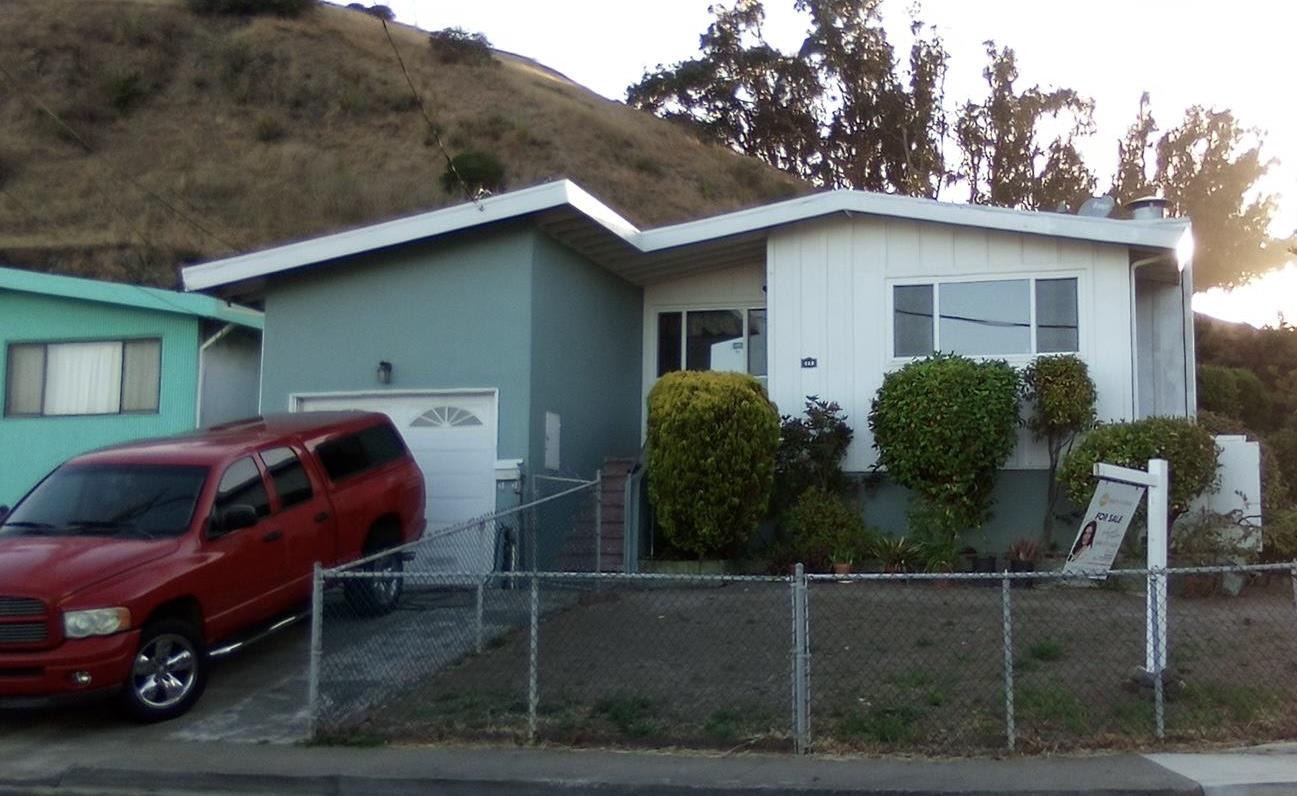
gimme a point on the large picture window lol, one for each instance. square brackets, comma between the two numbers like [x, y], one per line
[986, 318]
[712, 340]
[102, 377]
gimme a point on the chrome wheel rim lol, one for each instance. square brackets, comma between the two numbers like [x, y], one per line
[165, 671]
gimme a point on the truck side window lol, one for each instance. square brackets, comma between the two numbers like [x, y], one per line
[242, 484]
[288, 476]
[355, 453]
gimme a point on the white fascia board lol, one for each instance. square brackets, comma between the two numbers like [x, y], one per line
[507, 206]
[1163, 234]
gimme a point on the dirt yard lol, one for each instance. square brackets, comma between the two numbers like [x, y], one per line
[894, 667]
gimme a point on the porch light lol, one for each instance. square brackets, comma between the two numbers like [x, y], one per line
[1184, 249]
[384, 372]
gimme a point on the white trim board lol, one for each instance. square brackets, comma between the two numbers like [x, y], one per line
[1154, 234]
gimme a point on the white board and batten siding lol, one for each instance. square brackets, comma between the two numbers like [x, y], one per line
[830, 298]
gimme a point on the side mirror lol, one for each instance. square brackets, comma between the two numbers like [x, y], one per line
[235, 518]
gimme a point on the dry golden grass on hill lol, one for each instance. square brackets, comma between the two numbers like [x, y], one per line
[266, 130]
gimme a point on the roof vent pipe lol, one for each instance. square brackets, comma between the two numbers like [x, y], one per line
[1148, 208]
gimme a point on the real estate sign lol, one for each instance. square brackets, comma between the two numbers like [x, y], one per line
[1103, 527]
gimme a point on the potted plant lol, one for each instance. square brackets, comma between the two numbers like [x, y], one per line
[895, 553]
[842, 554]
[1023, 555]
[940, 553]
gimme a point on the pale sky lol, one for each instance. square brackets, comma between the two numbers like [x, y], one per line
[1235, 55]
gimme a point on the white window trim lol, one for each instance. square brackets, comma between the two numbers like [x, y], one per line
[1082, 311]
[743, 307]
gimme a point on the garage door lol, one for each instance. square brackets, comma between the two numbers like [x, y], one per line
[452, 436]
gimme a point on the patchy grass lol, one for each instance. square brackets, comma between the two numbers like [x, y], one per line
[1046, 650]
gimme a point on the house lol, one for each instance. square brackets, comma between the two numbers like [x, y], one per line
[91, 363]
[521, 334]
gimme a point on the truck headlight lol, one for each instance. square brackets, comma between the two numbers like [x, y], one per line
[96, 622]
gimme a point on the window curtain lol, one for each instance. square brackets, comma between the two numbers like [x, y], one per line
[83, 378]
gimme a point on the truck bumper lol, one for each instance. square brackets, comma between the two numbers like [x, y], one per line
[49, 676]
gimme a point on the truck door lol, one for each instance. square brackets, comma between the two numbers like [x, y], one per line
[248, 563]
[305, 516]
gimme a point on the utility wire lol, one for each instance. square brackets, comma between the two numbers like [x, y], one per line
[81, 142]
[473, 196]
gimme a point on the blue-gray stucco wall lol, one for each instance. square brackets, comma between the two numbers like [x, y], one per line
[451, 314]
[586, 345]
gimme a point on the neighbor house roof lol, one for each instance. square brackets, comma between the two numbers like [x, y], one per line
[578, 218]
[147, 298]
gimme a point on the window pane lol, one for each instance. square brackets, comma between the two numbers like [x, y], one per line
[668, 342]
[241, 486]
[141, 370]
[757, 342]
[1056, 316]
[287, 474]
[25, 375]
[715, 340]
[83, 378]
[912, 320]
[157, 500]
[343, 456]
[381, 444]
[986, 317]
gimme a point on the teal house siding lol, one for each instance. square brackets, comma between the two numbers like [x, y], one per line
[454, 314]
[32, 446]
[586, 347]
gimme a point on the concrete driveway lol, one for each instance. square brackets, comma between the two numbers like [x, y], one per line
[257, 695]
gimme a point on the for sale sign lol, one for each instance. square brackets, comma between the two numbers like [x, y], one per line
[1104, 527]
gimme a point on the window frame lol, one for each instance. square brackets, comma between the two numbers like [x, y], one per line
[1031, 277]
[45, 361]
[277, 504]
[745, 308]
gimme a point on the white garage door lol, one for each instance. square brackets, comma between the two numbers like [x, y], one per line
[452, 436]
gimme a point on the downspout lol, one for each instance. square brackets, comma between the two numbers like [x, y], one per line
[202, 369]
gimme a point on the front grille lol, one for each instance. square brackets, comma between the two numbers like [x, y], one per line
[23, 633]
[21, 606]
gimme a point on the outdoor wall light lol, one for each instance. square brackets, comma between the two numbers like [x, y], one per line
[384, 372]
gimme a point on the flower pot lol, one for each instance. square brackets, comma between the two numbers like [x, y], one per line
[841, 568]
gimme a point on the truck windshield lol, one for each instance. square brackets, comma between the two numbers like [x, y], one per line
[147, 501]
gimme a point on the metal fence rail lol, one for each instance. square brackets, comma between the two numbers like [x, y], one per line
[875, 662]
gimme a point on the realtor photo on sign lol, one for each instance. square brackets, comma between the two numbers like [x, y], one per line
[1103, 527]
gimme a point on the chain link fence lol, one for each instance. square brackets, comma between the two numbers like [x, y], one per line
[946, 664]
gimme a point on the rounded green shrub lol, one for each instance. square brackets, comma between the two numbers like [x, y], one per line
[943, 426]
[1062, 398]
[1189, 449]
[1218, 390]
[823, 528]
[711, 458]
[478, 171]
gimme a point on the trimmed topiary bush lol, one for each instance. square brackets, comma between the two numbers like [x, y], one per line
[943, 426]
[823, 529]
[1189, 449]
[479, 171]
[283, 8]
[711, 458]
[1062, 397]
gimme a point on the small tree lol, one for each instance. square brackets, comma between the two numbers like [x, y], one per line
[711, 458]
[811, 448]
[458, 46]
[943, 426]
[1189, 449]
[1062, 397]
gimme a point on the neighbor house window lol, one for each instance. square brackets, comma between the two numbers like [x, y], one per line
[103, 377]
[986, 318]
[712, 340]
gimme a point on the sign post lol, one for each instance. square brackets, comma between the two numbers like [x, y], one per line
[1157, 481]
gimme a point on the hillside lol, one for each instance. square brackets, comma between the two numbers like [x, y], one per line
[265, 130]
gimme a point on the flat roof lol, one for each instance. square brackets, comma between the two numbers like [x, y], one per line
[126, 295]
[629, 249]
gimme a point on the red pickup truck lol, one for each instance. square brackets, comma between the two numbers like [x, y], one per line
[125, 568]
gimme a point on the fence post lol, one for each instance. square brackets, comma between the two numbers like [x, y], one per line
[801, 675]
[598, 520]
[1293, 577]
[533, 659]
[1006, 607]
[317, 647]
[480, 612]
[1156, 608]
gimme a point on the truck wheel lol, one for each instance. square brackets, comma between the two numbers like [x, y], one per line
[168, 674]
[376, 596]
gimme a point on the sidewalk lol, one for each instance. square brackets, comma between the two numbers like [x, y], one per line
[115, 767]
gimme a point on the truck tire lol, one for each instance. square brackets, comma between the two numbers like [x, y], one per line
[168, 673]
[377, 596]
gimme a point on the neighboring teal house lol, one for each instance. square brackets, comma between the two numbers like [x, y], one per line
[90, 363]
[518, 336]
